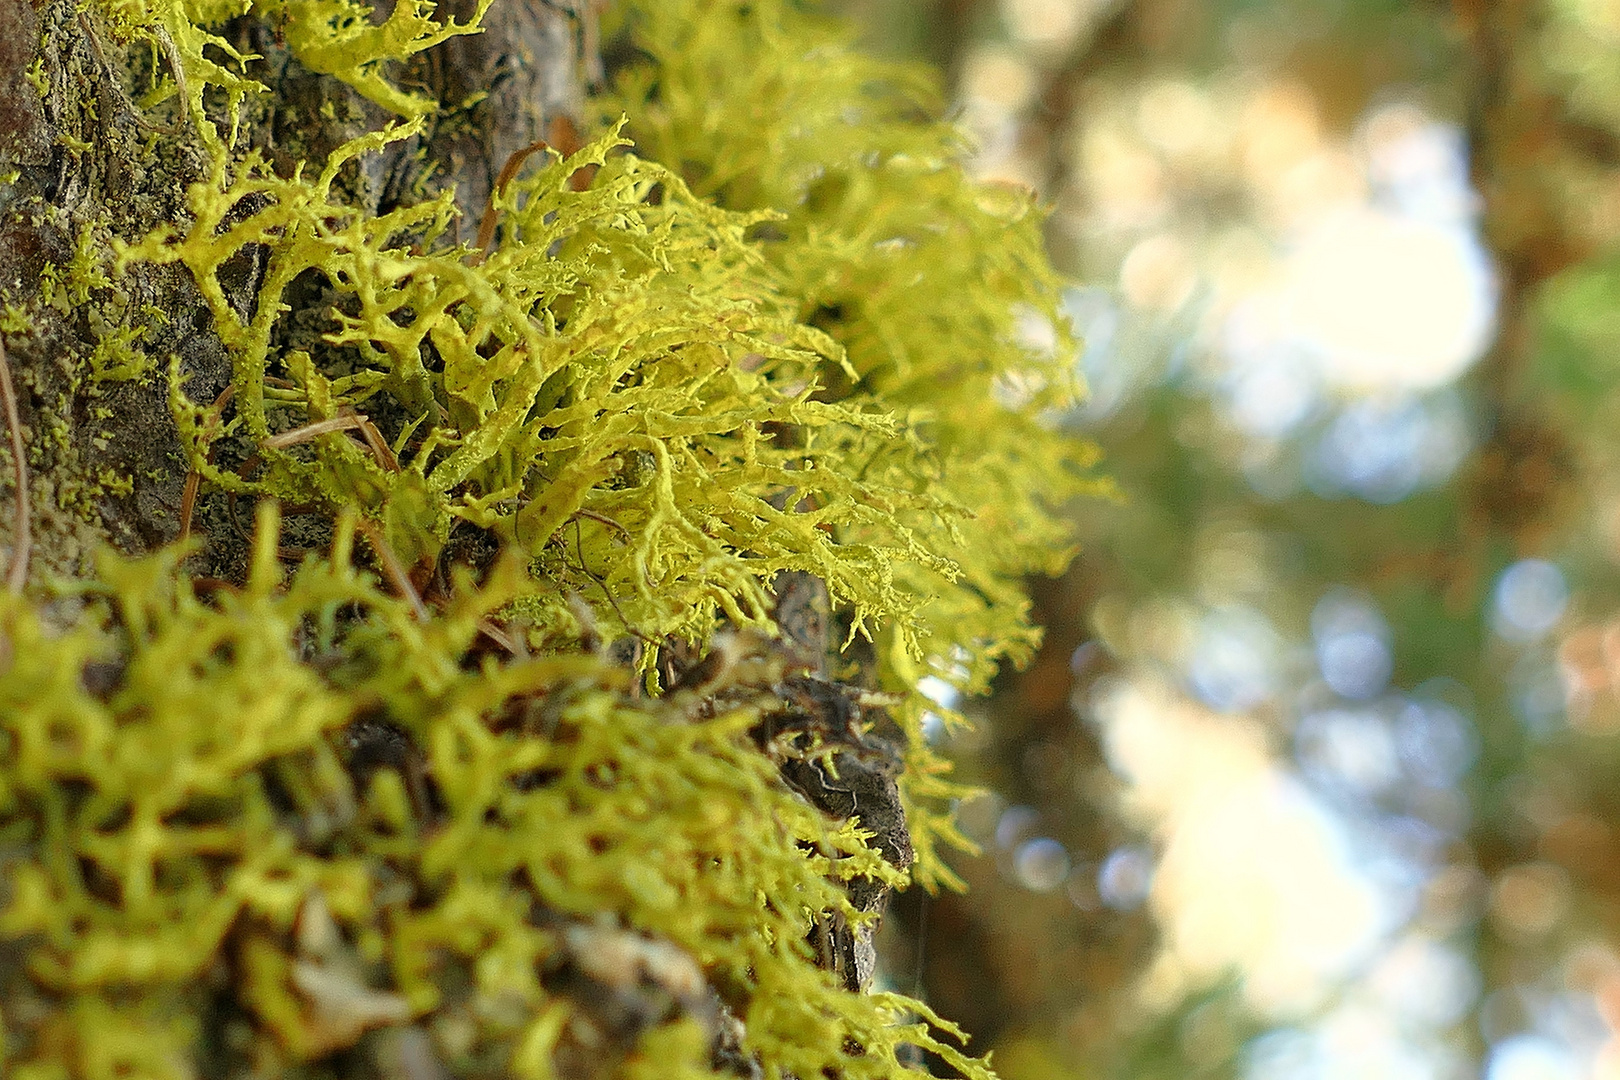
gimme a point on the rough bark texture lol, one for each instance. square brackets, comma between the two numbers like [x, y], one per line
[105, 460]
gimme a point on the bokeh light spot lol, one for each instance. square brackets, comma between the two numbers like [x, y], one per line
[1048, 24]
[979, 816]
[1352, 645]
[1270, 398]
[998, 77]
[1384, 449]
[1424, 979]
[1437, 743]
[1529, 599]
[1348, 749]
[1355, 664]
[1015, 823]
[1529, 900]
[1254, 872]
[1158, 274]
[1178, 118]
[1125, 877]
[1389, 302]
[1234, 660]
[1041, 864]
[1531, 1057]
[1283, 1054]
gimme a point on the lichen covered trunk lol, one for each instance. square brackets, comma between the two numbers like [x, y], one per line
[577, 492]
[79, 165]
[83, 166]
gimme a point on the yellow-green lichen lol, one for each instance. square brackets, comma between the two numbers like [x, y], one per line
[194, 808]
[936, 288]
[780, 332]
[341, 38]
[36, 77]
[606, 327]
[87, 270]
[115, 359]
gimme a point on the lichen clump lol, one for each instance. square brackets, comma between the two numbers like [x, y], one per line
[182, 801]
[758, 323]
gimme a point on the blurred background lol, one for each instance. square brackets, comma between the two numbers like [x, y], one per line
[1318, 773]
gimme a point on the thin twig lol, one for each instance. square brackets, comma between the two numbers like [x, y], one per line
[393, 569]
[22, 539]
[172, 56]
[613, 601]
[290, 554]
[486, 224]
[242, 470]
[604, 519]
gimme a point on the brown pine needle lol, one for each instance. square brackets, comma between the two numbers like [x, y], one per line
[486, 224]
[501, 638]
[22, 537]
[379, 446]
[347, 420]
[393, 569]
[310, 431]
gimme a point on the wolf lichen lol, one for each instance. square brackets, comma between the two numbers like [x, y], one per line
[937, 291]
[605, 326]
[757, 324]
[181, 798]
[332, 37]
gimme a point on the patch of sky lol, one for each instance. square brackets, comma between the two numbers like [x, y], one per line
[1353, 645]
[1529, 599]
[1236, 659]
[942, 694]
[1383, 449]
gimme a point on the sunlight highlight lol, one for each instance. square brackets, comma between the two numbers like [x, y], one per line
[1254, 875]
[1388, 302]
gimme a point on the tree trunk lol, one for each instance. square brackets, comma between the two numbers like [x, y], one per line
[90, 353]
[82, 167]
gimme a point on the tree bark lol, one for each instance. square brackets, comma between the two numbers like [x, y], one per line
[82, 166]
